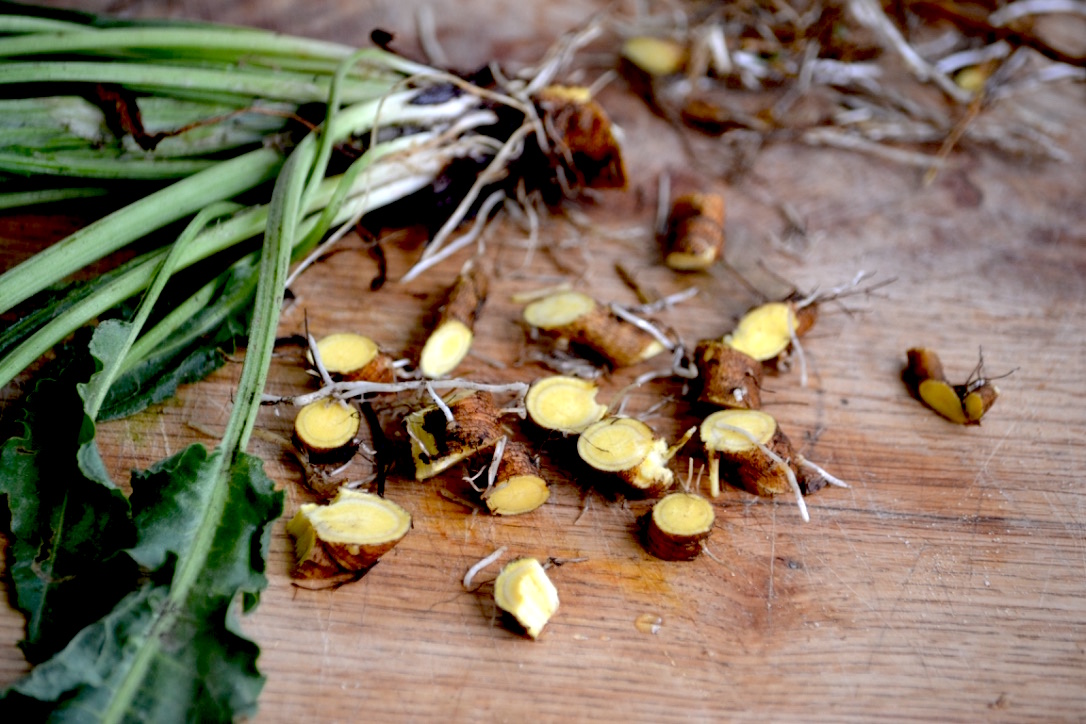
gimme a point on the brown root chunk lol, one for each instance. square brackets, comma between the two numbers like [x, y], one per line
[746, 441]
[563, 404]
[524, 591]
[451, 339]
[630, 450]
[963, 404]
[677, 525]
[437, 443]
[695, 232]
[352, 357]
[519, 487]
[580, 319]
[341, 540]
[587, 144]
[327, 430]
[728, 378]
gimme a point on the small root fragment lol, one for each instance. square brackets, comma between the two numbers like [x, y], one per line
[630, 450]
[327, 430]
[518, 486]
[677, 526]
[564, 404]
[963, 404]
[728, 377]
[695, 232]
[580, 319]
[437, 443]
[351, 357]
[452, 336]
[343, 539]
[470, 575]
[524, 591]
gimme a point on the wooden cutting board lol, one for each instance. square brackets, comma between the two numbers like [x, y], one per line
[949, 581]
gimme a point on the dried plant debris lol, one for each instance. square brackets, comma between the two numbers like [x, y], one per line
[831, 73]
[677, 525]
[339, 541]
[524, 591]
[964, 404]
[451, 339]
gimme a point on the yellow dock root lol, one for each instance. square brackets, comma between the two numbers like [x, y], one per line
[630, 450]
[743, 440]
[524, 591]
[519, 487]
[454, 332]
[695, 232]
[437, 444]
[349, 356]
[339, 541]
[327, 429]
[962, 404]
[563, 404]
[728, 378]
[765, 332]
[580, 319]
[677, 525]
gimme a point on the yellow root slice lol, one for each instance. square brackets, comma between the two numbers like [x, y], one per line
[655, 56]
[629, 449]
[677, 525]
[765, 332]
[451, 339]
[519, 487]
[941, 397]
[326, 427]
[350, 356]
[445, 348]
[564, 404]
[695, 235]
[578, 318]
[346, 537]
[741, 438]
[524, 591]
[437, 444]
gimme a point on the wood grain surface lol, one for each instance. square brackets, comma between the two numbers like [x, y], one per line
[949, 581]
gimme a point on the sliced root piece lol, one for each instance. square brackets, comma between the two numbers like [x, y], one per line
[695, 232]
[453, 334]
[438, 443]
[352, 357]
[340, 541]
[519, 487]
[327, 430]
[524, 591]
[563, 404]
[728, 378]
[756, 455]
[655, 57]
[677, 525]
[630, 450]
[580, 319]
[963, 404]
[766, 332]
